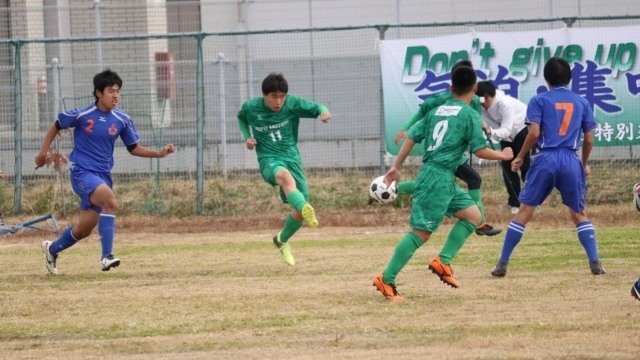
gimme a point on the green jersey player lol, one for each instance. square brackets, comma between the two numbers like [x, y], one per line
[464, 171]
[269, 124]
[448, 131]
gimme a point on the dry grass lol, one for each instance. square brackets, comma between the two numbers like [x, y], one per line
[185, 294]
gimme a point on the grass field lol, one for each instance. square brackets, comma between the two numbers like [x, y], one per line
[210, 295]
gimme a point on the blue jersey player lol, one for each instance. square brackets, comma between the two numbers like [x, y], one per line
[96, 128]
[557, 120]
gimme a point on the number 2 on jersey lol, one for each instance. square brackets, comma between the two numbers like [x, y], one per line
[566, 118]
[275, 136]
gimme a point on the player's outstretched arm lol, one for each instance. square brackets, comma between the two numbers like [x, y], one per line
[41, 158]
[145, 152]
[394, 172]
[489, 154]
[406, 126]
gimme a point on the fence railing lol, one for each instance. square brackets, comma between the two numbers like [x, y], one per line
[186, 89]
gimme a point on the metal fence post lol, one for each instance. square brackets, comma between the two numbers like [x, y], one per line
[55, 76]
[383, 147]
[17, 132]
[200, 105]
[223, 113]
[96, 7]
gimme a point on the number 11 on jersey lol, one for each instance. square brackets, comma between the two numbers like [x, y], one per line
[275, 136]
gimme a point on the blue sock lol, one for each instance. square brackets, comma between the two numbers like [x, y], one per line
[106, 230]
[65, 241]
[587, 237]
[515, 230]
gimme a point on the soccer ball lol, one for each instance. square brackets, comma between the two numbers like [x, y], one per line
[380, 192]
[636, 196]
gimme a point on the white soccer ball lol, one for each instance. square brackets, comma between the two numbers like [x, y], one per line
[636, 196]
[380, 192]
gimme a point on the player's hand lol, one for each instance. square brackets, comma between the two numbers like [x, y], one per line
[41, 160]
[587, 170]
[516, 164]
[167, 149]
[324, 117]
[399, 136]
[251, 143]
[392, 175]
[507, 154]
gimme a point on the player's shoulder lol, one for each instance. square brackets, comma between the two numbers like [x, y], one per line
[436, 100]
[87, 109]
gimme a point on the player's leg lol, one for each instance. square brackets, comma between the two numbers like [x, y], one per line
[429, 204]
[465, 209]
[406, 247]
[471, 177]
[293, 221]
[293, 183]
[587, 237]
[407, 187]
[105, 199]
[83, 183]
[87, 221]
[533, 194]
[572, 187]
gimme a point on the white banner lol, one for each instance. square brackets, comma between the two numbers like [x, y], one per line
[603, 62]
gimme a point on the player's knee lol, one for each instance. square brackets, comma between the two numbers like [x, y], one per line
[110, 206]
[471, 215]
[81, 232]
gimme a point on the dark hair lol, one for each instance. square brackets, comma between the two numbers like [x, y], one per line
[557, 72]
[105, 79]
[463, 79]
[486, 88]
[465, 62]
[274, 82]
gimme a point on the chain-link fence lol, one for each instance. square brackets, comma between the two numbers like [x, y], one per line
[186, 88]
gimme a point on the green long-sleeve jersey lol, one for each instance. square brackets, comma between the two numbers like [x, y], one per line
[447, 132]
[433, 102]
[276, 133]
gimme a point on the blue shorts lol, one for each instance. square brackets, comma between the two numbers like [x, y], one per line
[560, 169]
[84, 182]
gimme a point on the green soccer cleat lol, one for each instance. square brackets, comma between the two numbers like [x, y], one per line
[309, 215]
[285, 250]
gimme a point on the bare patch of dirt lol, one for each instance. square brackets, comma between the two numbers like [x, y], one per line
[371, 216]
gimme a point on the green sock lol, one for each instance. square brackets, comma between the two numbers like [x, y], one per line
[296, 200]
[477, 198]
[290, 227]
[406, 187]
[456, 239]
[401, 256]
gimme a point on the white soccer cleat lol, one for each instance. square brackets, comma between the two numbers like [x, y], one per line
[109, 262]
[50, 260]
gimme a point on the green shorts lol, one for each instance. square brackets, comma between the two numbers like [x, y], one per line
[269, 167]
[437, 195]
